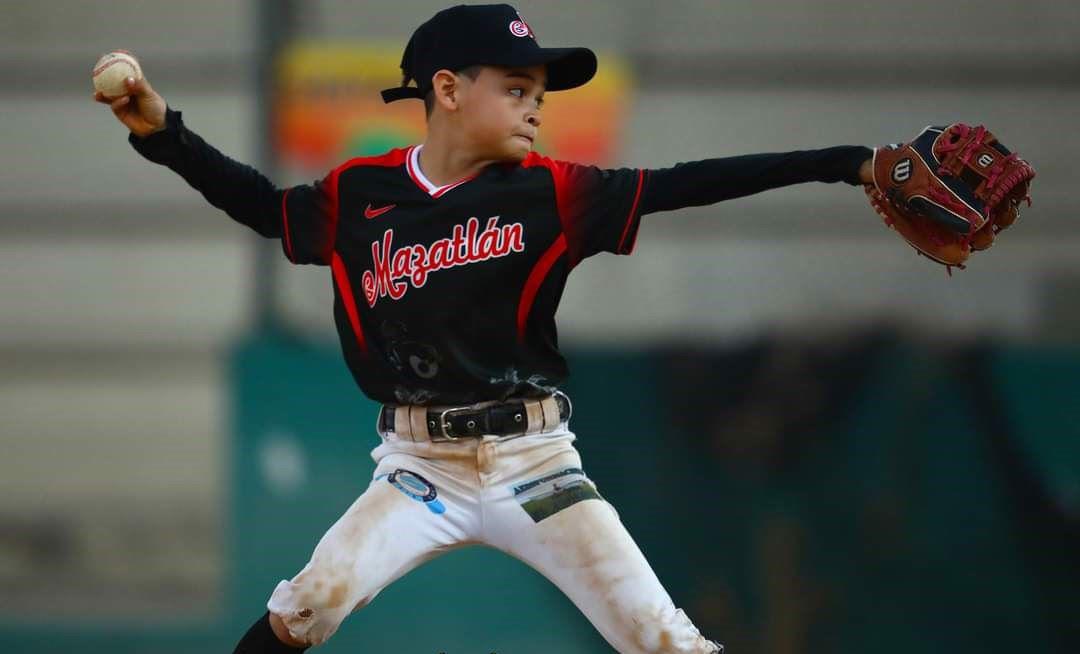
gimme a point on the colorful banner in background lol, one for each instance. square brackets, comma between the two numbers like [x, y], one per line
[328, 109]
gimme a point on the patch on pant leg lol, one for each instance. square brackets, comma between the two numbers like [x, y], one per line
[416, 487]
[544, 497]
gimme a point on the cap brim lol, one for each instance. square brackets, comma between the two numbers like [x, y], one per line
[567, 68]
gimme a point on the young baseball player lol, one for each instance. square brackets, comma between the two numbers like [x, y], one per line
[447, 260]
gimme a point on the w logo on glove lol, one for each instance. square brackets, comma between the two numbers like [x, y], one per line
[901, 172]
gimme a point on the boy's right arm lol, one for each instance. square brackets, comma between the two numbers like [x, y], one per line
[302, 216]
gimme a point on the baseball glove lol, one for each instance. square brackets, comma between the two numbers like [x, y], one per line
[949, 191]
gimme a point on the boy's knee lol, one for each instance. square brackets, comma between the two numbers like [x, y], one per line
[308, 610]
[282, 632]
[304, 626]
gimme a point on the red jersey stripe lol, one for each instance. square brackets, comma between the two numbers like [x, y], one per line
[560, 179]
[341, 278]
[536, 279]
[285, 224]
[633, 210]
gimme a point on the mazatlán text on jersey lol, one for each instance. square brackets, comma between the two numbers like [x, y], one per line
[411, 264]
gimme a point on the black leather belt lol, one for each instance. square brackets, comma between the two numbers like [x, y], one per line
[503, 419]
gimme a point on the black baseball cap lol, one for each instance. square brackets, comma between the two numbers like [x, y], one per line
[491, 35]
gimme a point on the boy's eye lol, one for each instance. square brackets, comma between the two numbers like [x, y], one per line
[519, 92]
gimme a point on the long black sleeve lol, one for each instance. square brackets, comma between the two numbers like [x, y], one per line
[238, 189]
[708, 181]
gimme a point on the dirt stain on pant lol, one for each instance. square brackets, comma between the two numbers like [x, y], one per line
[312, 604]
[337, 595]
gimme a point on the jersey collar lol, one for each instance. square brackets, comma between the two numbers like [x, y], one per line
[412, 165]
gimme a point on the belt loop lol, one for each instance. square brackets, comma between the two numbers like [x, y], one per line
[402, 425]
[534, 416]
[569, 404]
[379, 421]
[550, 409]
[419, 423]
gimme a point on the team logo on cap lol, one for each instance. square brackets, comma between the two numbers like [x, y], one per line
[520, 28]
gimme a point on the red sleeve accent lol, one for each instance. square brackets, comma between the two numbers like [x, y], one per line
[341, 277]
[633, 210]
[535, 281]
[285, 225]
[560, 174]
[589, 200]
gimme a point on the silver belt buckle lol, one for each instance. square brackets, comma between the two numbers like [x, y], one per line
[444, 426]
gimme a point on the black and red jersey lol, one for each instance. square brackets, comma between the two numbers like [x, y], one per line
[447, 295]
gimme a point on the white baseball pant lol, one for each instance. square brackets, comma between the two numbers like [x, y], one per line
[526, 496]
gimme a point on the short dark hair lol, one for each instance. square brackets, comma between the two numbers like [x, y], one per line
[472, 72]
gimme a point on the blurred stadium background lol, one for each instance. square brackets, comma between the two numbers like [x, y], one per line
[821, 442]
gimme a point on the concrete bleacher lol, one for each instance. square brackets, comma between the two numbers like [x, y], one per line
[121, 288]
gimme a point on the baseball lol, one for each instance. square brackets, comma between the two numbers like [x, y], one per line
[111, 70]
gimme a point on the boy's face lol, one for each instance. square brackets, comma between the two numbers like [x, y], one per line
[500, 110]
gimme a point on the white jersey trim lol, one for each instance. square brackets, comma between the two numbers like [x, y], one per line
[412, 165]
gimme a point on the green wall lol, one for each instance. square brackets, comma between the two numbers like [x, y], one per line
[879, 496]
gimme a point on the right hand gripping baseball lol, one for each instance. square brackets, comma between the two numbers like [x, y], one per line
[142, 110]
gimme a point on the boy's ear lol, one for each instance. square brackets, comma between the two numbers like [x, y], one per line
[447, 89]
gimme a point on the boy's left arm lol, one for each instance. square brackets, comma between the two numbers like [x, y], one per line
[708, 181]
[601, 209]
[948, 192]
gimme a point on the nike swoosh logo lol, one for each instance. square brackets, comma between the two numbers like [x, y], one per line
[370, 213]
